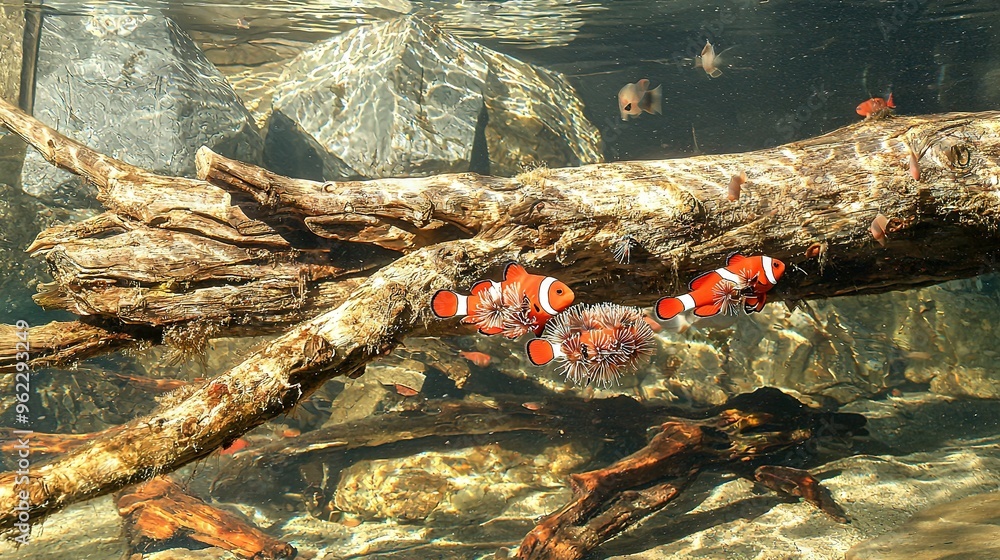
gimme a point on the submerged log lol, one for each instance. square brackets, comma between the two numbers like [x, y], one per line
[750, 427]
[454, 229]
[61, 342]
[159, 510]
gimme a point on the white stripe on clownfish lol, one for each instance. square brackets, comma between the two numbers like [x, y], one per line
[767, 265]
[730, 276]
[687, 301]
[463, 305]
[543, 295]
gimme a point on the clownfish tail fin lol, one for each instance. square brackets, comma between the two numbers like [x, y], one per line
[540, 351]
[668, 308]
[446, 303]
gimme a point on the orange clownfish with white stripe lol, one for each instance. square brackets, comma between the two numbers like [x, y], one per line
[518, 304]
[744, 281]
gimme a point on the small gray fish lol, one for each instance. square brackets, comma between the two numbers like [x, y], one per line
[635, 98]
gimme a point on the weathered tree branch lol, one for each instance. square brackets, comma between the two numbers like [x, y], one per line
[748, 427]
[63, 342]
[160, 510]
[272, 379]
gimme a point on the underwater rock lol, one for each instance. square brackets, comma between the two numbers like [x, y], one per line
[452, 488]
[553, 133]
[92, 529]
[939, 461]
[12, 149]
[20, 222]
[404, 98]
[255, 86]
[359, 399]
[252, 43]
[966, 528]
[135, 87]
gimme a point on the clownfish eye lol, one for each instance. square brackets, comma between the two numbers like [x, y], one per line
[775, 265]
[559, 291]
[628, 107]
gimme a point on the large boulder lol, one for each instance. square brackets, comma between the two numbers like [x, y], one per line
[133, 86]
[404, 98]
[11, 37]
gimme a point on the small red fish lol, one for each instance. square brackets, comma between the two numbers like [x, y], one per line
[520, 303]
[876, 107]
[735, 185]
[404, 391]
[744, 280]
[481, 359]
[533, 406]
[652, 323]
[234, 447]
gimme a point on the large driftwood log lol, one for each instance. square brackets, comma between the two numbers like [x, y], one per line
[454, 229]
[266, 252]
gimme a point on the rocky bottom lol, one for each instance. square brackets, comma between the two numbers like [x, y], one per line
[922, 487]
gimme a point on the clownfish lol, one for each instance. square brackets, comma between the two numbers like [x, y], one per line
[744, 280]
[521, 302]
[876, 107]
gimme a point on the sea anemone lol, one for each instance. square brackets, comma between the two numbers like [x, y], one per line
[730, 296]
[599, 343]
[490, 312]
[505, 309]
